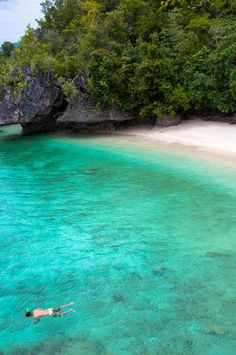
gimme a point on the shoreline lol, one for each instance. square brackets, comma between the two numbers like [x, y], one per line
[203, 139]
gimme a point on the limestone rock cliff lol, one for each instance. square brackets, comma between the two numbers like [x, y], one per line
[40, 106]
[9, 110]
[36, 107]
[82, 113]
[168, 120]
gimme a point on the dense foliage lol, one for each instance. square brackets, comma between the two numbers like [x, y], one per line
[149, 56]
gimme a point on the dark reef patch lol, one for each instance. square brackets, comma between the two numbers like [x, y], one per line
[118, 297]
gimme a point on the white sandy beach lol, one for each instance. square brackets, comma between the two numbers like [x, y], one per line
[217, 138]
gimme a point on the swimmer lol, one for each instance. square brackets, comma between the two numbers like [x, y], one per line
[54, 312]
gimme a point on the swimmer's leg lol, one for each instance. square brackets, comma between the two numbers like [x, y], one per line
[66, 305]
[69, 311]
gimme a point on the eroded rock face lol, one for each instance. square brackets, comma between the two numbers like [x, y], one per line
[83, 114]
[168, 120]
[41, 107]
[9, 111]
[37, 107]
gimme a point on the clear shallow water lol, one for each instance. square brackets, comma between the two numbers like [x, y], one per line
[144, 242]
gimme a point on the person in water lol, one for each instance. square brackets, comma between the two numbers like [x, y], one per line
[54, 312]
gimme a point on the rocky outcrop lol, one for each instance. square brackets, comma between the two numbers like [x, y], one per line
[9, 110]
[36, 107]
[40, 107]
[82, 113]
[215, 117]
[168, 120]
[85, 116]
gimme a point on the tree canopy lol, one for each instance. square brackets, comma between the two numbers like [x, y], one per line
[149, 56]
[6, 49]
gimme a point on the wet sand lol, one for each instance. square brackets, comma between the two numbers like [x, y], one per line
[215, 140]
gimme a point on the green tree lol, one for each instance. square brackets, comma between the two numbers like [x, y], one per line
[7, 49]
[149, 56]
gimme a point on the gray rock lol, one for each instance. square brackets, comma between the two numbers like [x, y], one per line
[217, 331]
[215, 117]
[168, 120]
[189, 342]
[37, 106]
[118, 297]
[41, 107]
[85, 112]
[82, 113]
[9, 110]
[159, 271]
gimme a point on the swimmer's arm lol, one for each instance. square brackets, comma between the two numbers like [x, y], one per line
[36, 320]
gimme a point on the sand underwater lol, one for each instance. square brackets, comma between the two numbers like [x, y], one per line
[142, 239]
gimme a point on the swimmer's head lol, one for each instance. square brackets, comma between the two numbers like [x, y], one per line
[28, 314]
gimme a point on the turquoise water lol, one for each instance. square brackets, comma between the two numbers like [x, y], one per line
[143, 240]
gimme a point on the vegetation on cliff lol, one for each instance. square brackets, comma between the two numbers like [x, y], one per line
[148, 56]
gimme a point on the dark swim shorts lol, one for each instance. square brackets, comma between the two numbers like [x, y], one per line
[56, 312]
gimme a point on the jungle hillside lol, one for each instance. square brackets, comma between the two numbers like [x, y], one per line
[146, 56]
